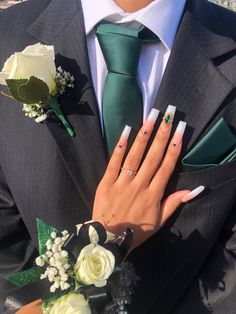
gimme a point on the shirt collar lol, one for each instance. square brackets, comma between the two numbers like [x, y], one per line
[162, 17]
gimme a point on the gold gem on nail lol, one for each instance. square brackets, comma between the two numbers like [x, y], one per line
[168, 118]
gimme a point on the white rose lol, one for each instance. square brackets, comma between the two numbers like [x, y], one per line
[94, 265]
[36, 60]
[72, 303]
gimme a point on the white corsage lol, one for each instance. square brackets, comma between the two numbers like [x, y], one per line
[81, 273]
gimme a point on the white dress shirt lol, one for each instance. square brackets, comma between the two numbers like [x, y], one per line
[162, 17]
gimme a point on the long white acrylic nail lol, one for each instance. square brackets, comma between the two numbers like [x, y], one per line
[126, 132]
[124, 136]
[179, 132]
[169, 115]
[193, 194]
[153, 115]
[181, 127]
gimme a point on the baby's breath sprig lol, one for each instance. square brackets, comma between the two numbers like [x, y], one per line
[56, 260]
[63, 79]
[36, 111]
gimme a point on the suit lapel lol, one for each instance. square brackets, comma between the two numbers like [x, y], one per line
[61, 25]
[191, 81]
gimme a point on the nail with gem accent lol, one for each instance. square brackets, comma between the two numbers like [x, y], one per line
[194, 193]
[179, 132]
[169, 116]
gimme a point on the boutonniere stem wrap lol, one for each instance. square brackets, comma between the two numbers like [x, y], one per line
[83, 273]
[34, 81]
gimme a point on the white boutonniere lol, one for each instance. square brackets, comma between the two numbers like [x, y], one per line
[34, 81]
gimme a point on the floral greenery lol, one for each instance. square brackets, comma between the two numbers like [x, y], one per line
[33, 274]
[44, 232]
[25, 277]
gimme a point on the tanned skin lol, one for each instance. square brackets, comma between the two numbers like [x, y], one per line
[132, 5]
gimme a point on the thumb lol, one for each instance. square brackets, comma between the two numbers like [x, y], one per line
[173, 201]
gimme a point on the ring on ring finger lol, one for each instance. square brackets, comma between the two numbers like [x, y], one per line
[129, 172]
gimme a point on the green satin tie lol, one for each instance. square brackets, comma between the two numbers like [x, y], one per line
[122, 98]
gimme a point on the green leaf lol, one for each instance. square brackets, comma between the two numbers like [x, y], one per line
[44, 232]
[13, 86]
[34, 91]
[25, 277]
[44, 307]
[30, 91]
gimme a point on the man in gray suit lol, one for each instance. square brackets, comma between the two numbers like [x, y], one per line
[190, 265]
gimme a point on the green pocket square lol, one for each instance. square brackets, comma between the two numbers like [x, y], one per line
[217, 147]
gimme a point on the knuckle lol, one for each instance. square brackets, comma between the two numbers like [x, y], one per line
[135, 186]
[165, 169]
[151, 160]
[112, 168]
[141, 138]
[174, 151]
[101, 189]
[116, 153]
[157, 192]
[162, 136]
[131, 161]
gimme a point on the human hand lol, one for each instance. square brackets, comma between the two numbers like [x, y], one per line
[132, 198]
[32, 308]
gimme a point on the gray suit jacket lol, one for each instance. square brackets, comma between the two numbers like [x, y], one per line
[187, 267]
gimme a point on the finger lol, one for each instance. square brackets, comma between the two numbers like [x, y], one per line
[172, 202]
[113, 168]
[136, 152]
[157, 149]
[188, 197]
[167, 166]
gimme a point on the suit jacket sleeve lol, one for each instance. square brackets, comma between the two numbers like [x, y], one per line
[16, 247]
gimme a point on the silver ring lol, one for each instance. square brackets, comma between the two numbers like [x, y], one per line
[129, 172]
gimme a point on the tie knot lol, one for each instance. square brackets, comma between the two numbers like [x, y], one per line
[121, 46]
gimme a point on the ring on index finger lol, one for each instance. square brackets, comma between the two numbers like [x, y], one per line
[129, 172]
